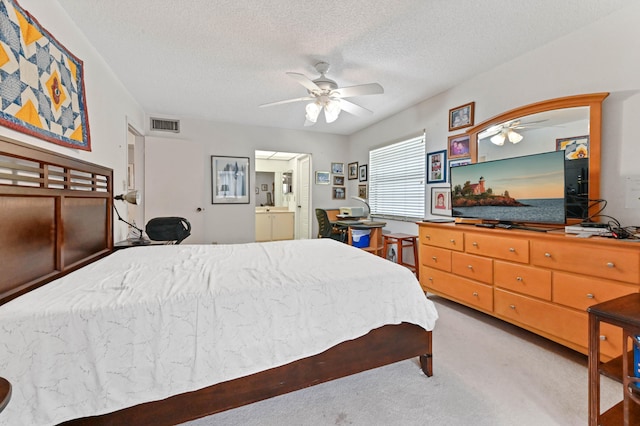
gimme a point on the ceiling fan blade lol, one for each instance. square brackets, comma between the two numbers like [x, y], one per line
[306, 98]
[305, 81]
[359, 90]
[354, 109]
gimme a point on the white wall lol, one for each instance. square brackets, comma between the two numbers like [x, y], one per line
[599, 58]
[110, 107]
[235, 223]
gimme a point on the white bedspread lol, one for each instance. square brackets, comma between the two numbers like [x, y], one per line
[149, 322]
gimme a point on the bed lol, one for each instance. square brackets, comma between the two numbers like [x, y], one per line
[167, 334]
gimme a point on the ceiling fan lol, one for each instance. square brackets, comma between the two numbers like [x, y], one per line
[324, 93]
[501, 132]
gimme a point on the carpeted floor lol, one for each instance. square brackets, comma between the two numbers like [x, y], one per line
[486, 372]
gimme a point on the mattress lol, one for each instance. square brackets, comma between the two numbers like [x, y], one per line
[146, 323]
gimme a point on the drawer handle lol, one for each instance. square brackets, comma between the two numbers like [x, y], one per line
[611, 265]
[435, 258]
[512, 250]
[452, 241]
[513, 307]
[431, 279]
[475, 294]
[590, 296]
[547, 255]
[519, 279]
[470, 266]
[428, 237]
[475, 244]
[603, 338]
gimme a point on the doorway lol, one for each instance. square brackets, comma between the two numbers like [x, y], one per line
[283, 182]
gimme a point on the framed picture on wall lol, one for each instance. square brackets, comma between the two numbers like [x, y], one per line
[459, 146]
[352, 169]
[437, 167]
[338, 180]
[362, 173]
[574, 148]
[441, 201]
[459, 162]
[229, 180]
[323, 178]
[461, 116]
[337, 168]
[338, 193]
[362, 191]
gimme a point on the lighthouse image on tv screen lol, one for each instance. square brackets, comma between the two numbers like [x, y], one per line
[529, 189]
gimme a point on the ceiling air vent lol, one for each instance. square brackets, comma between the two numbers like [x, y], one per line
[165, 125]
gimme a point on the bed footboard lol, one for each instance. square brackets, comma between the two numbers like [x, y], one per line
[382, 346]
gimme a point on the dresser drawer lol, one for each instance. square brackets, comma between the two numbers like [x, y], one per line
[527, 280]
[474, 267]
[456, 288]
[580, 292]
[554, 320]
[445, 238]
[435, 257]
[506, 248]
[606, 262]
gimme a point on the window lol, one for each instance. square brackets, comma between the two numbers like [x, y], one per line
[396, 180]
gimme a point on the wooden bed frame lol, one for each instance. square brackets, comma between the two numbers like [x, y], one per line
[57, 217]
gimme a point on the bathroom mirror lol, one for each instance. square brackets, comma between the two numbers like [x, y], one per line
[570, 123]
[287, 182]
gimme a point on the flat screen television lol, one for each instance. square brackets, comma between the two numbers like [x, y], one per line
[519, 190]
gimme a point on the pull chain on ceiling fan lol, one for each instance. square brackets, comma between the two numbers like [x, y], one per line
[324, 94]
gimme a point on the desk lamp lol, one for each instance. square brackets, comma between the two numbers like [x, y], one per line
[131, 197]
[367, 204]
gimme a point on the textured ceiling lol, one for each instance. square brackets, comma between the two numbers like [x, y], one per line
[219, 59]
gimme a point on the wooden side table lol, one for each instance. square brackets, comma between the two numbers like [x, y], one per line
[401, 241]
[623, 312]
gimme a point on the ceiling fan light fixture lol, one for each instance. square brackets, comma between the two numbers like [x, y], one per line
[514, 137]
[332, 110]
[313, 110]
[498, 139]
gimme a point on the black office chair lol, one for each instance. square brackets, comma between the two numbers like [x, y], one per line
[328, 230]
[171, 229]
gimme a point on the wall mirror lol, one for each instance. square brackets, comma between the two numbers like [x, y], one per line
[570, 123]
[287, 182]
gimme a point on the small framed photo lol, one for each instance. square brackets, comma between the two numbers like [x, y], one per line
[362, 191]
[338, 193]
[338, 180]
[337, 168]
[323, 178]
[362, 173]
[265, 187]
[459, 146]
[459, 162]
[441, 201]
[461, 116]
[257, 190]
[229, 180]
[574, 148]
[437, 167]
[352, 169]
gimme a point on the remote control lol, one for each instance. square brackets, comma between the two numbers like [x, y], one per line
[485, 225]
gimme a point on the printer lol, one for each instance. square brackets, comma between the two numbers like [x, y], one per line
[352, 211]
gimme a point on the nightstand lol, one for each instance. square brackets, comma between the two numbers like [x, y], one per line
[623, 312]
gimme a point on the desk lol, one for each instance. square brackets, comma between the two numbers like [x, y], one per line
[623, 312]
[375, 238]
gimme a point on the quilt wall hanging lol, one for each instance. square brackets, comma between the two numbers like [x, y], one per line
[41, 83]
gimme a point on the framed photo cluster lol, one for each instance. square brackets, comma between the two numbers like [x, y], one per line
[338, 191]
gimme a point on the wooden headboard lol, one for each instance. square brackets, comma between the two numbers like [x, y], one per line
[55, 216]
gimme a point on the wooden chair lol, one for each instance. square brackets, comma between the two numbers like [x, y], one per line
[401, 241]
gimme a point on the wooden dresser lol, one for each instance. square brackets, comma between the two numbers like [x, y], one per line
[543, 282]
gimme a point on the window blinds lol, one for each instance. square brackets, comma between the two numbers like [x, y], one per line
[397, 179]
